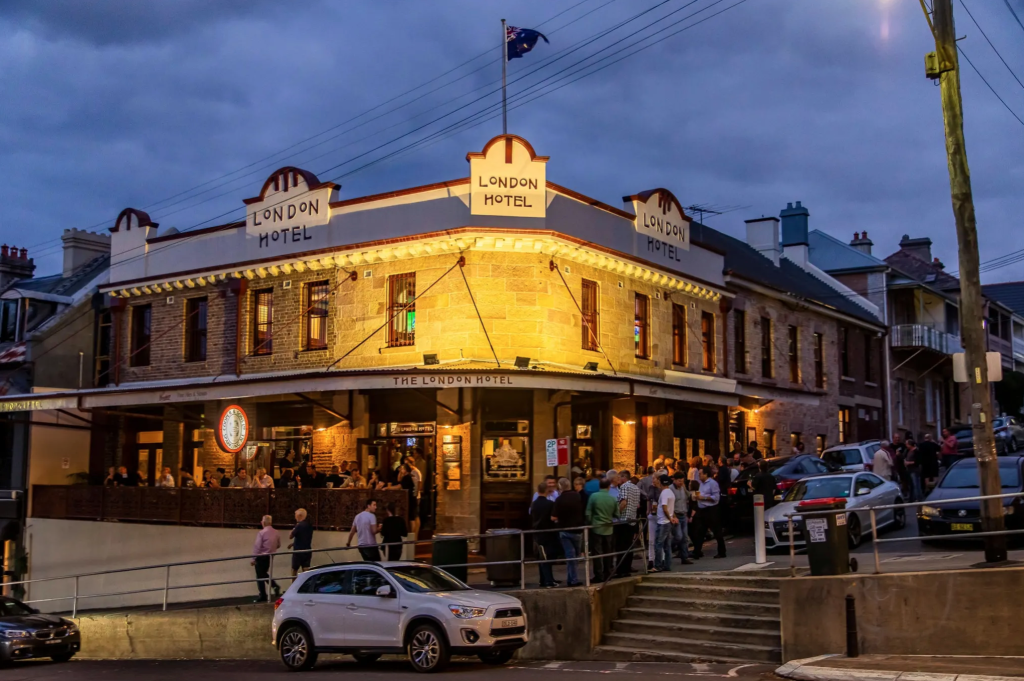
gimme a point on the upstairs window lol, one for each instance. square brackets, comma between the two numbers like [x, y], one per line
[101, 353]
[869, 365]
[195, 330]
[590, 308]
[794, 354]
[8, 321]
[844, 351]
[819, 360]
[315, 298]
[263, 322]
[679, 335]
[739, 318]
[707, 338]
[642, 326]
[767, 367]
[402, 310]
[141, 328]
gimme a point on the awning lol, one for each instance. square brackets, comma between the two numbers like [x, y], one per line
[455, 375]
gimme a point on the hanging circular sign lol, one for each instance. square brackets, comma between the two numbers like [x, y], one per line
[232, 429]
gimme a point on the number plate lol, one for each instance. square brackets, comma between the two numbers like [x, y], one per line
[54, 641]
[507, 624]
[962, 527]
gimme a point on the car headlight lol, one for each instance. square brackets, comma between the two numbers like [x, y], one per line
[465, 612]
[72, 627]
[767, 525]
[15, 633]
[930, 512]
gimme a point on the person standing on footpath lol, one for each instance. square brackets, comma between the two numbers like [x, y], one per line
[913, 465]
[648, 487]
[393, 531]
[666, 520]
[568, 513]
[708, 515]
[882, 465]
[302, 543]
[682, 510]
[928, 461]
[602, 510]
[544, 541]
[629, 501]
[267, 543]
[763, 483]
[950, 451]
[366, 527]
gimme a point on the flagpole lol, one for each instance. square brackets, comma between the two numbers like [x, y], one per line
[504, 62]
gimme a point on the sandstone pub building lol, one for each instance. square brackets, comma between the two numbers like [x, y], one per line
[462, 323]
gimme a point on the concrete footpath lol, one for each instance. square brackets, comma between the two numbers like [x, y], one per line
[904, 668]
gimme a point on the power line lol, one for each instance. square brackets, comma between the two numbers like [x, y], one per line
[1007, 3]
[985, 35]
[984, 80]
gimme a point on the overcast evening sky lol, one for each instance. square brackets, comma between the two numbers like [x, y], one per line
[128, 102]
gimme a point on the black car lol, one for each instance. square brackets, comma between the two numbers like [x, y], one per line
[787, 471]
[1008, 432]
[24, 633]
[961, 480]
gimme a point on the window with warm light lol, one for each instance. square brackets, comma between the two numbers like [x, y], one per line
[679, 335]
[707, 339]
[263, 322]
[402, 310]
[642, 326]
[314, 317]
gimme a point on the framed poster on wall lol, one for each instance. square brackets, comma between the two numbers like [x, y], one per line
[506, 458]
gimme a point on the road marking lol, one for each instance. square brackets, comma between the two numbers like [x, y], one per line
[732, 672]
[553, 665]
[922, 557]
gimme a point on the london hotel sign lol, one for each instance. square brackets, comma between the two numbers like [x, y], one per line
[508, 178]
[291, 201]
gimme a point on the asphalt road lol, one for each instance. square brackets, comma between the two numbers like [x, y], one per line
[229, 670]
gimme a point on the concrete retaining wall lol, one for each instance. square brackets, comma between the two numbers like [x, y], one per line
[964, 612]
[67, 547]
[565, 624]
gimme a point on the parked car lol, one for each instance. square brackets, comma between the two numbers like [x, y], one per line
[1008, 431]
[858, 456]
[370, 609]
[961, 480]
[860, 489]
[787, 470]
[24, 634]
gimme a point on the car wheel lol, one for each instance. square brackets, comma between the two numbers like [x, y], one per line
[366, 658]
[63, 657]
[496, 657]
[427, 649]
[1013, 444]
[899, 516]
[297, 651]
[853, 532]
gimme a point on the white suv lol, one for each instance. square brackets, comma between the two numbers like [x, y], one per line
[370, 609]
[854, 457]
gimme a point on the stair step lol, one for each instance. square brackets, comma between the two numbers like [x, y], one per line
[709, 605]
[696, 649]
[737, 620]
[698, 631]
[608, 653]
[748, 581]
[737, 594]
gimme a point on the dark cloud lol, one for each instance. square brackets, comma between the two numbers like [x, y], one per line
[121, 103]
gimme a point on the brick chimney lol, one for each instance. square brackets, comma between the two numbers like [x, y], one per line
[80, 247]
[862, 243]
[920, 248]
[14, 265]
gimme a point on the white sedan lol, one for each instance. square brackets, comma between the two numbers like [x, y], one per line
[861, 491]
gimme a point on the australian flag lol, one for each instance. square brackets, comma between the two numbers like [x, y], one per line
[519, 41]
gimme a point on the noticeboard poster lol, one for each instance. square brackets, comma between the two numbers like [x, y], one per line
[506, 458]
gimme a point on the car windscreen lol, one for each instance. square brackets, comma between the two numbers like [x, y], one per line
[843, 457]
[13, 609]
[820, 488]
[425, 579]
[965, 476]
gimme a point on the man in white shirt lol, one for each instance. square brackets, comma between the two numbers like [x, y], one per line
[708, 515]
[666, 520]
[262, 480]
[366, 527]
[882, 463]
[165, 479]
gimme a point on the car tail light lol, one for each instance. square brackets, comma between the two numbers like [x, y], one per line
[278, 602]
[783, 485]
[733, 490]
[869, 466]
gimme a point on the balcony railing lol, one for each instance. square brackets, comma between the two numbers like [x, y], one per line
[923, 336]
[327, 509]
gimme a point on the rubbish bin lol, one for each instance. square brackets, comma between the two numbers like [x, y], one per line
[451, 549]
[828, 547]
[501, 545]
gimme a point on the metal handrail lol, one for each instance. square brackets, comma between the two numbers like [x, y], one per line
[585, 557]
[876, 541]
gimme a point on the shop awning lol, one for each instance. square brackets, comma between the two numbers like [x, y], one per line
[465, 374]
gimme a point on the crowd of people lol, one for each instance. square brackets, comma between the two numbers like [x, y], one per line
[914, 465]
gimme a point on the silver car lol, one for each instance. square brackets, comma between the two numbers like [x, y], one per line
[861, 491]
[370, 609]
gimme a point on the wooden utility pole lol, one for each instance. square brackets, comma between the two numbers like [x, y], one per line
[944, 65]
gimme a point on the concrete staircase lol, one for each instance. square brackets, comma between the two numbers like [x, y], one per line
[699, 617]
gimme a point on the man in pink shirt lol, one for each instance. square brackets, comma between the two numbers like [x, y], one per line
[949, 448]
[267, 543]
